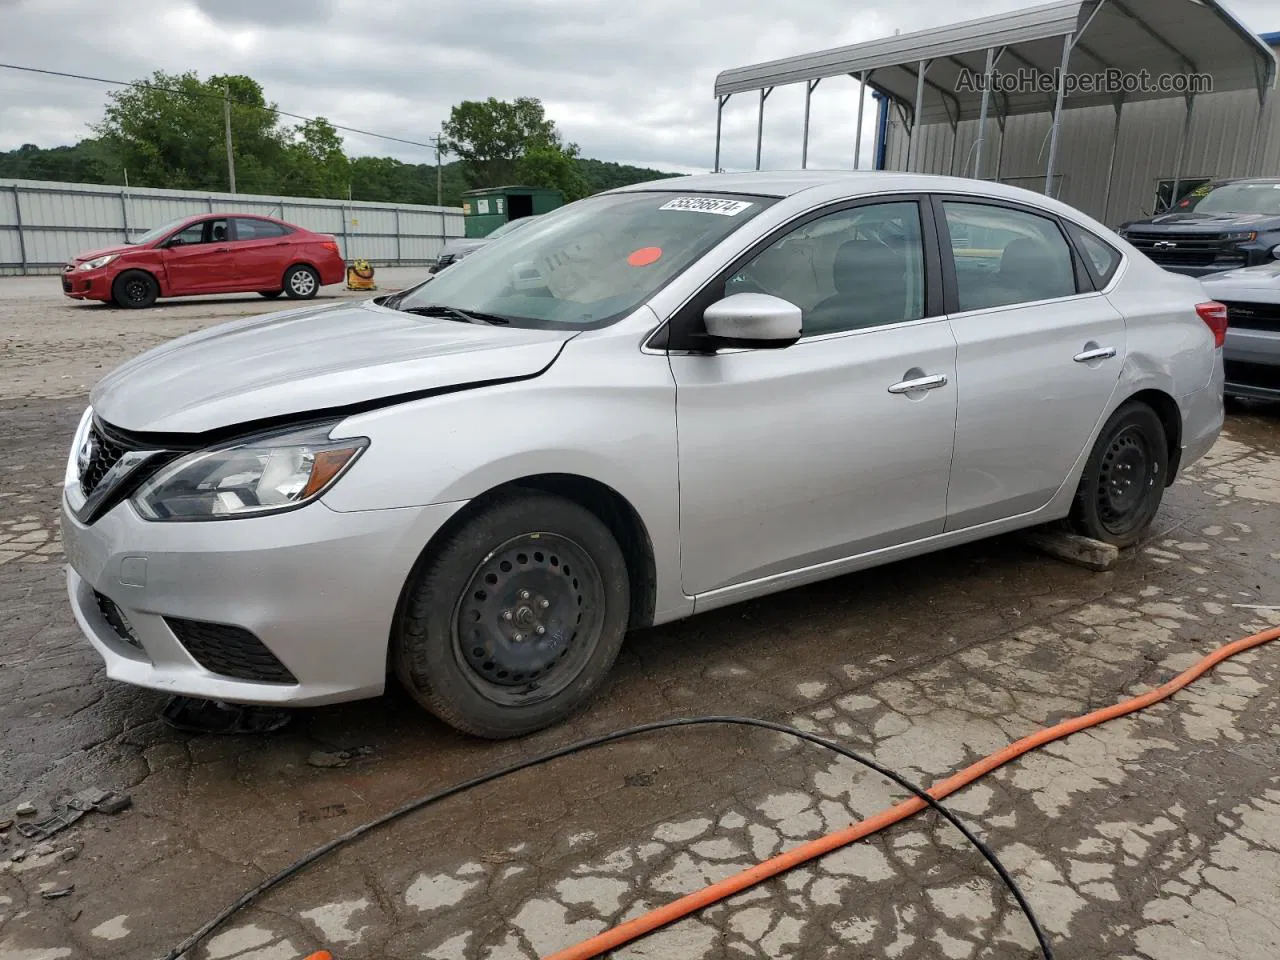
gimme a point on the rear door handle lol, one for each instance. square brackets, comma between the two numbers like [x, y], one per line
[222, 250]
[923, 383]
[1102, 353]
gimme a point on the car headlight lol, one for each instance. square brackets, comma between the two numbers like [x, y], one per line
[97, 262]
[1241, 236]
[269, 473]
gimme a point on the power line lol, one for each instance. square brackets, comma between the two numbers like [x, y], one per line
[211, 96]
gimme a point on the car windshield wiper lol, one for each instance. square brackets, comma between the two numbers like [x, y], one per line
[454, 313]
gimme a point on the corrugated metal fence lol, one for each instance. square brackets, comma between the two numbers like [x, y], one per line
[42, 224]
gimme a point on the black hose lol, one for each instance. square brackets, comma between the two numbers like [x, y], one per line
[423, 802]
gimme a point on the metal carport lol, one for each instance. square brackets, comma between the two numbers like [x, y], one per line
[920, 73]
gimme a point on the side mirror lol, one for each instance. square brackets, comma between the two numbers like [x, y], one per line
[755, 320]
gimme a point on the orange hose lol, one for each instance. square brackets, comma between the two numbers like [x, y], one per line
[716, 892]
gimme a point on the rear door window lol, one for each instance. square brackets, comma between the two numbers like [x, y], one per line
[248, 228]
[1005, 256]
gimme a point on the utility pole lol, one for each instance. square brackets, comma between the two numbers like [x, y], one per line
[231, 157]
[439, 172]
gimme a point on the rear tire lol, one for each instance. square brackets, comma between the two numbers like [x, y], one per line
[512, 624]
[270, 294]
[135, 290]
[301, 282]
[1124, 481]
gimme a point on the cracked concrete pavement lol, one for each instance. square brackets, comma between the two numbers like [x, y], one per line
[1156, 837]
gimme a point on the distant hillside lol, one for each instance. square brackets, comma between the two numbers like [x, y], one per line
[382, 179]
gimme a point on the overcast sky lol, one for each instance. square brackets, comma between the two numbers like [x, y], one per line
[628, 81]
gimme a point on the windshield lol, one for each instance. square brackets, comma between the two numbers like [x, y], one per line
[155, 233]
[587, 264]
[1234, 198]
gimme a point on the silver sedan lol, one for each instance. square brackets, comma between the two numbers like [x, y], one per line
[650, 403]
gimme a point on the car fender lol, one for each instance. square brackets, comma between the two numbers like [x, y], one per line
[602, 412]
[150, 261]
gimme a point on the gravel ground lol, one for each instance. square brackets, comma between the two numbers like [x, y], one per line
[1156, 837]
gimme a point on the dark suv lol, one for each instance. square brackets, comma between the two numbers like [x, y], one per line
[1222, 225]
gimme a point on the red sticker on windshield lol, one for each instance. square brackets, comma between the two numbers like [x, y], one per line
[645, 256]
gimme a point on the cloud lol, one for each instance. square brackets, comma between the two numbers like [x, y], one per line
[630, 82]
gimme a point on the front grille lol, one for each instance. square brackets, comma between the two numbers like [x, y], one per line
[117, 620]
[1189, 250]
[229, 651]
[96, 459]
[1261, 375]
[1254, 316]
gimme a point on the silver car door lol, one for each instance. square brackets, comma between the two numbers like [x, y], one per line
[1040, 355]
[839, 444]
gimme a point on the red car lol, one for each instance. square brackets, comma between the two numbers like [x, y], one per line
[210, 253]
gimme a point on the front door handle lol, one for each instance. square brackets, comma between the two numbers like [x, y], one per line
[922, 383]
[1102, 353]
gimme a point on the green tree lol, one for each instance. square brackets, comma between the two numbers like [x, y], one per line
[316, 165]
[606, 175]
[89, 161]
[491, 136]
[550, 166]
[169, 132]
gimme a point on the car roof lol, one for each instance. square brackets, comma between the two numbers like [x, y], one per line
[773, 183]
[831, 185]
[787, 183]
[223, 215]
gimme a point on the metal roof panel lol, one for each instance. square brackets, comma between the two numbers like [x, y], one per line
[1156, 36]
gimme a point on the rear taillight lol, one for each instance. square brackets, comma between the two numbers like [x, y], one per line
[1214, 315]
[330, 245]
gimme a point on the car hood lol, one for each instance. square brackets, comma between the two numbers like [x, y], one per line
[1190, 221]
[105, 251]
[1260, 280]
[311, 359]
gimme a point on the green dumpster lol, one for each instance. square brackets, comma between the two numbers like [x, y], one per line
[483, 211]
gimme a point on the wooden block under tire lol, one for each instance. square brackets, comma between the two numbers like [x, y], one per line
[1073, 548]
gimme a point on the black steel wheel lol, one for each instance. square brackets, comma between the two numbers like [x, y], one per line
[135, 289]
[1124, 481]
[525, 621]
[301, 282]
[513, 623]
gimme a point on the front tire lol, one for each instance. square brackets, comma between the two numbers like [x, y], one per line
[135, 290]
[514, 622]
[301, 282]
[1124, 481]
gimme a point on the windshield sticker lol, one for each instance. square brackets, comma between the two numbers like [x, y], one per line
[721, 208]
[645, 256]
